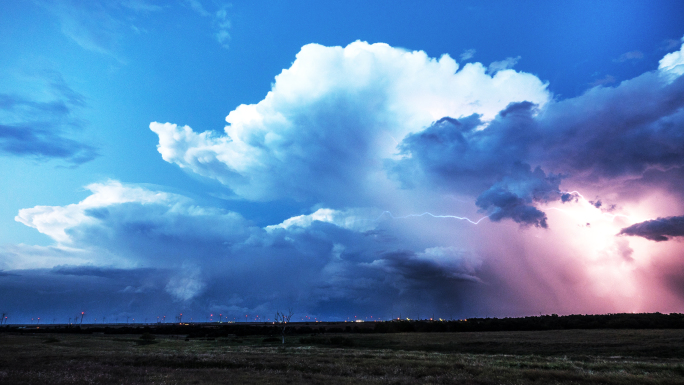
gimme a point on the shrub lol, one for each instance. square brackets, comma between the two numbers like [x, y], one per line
[147, 339]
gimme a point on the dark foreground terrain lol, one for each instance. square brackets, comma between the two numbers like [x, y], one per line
[524, 357]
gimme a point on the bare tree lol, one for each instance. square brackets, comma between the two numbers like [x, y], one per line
[282, 320]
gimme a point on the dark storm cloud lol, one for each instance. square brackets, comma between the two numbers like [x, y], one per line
[455, 154]
[606, 133]
[661, 229]
[509, 205]
[514, 195]
[330, 270]
[61, 293]
[669, 180]
[421, 271]
[40, 129]
[306, 271]
[569, 197]
[613, 132]
[320, 269]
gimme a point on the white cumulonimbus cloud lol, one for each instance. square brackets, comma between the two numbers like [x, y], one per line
[335, 115]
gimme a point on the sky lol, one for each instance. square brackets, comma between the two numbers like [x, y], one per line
[413, 159]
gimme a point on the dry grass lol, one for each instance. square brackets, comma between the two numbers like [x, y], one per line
[570, 357]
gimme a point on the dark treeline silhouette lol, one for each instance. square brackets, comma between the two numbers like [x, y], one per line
[535, 323]
[544, 322]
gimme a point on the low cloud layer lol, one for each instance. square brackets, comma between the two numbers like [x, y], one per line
[202, 258]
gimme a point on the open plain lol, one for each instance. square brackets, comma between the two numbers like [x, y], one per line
[538, 357]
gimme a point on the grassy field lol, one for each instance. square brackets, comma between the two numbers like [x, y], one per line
[552, 357]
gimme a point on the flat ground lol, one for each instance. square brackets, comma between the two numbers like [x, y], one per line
[550, 357]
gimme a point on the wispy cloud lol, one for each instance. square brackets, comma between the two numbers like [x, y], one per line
[467, 54]
[220, 20]
[631, 55]
[141, 6]
[41, 128]
[100, 26]
[221, 25]
[505, 64]
[669, 44]
[90, 25]
[608, 79]
[197, 6]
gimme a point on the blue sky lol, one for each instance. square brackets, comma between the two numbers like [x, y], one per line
[334, 144]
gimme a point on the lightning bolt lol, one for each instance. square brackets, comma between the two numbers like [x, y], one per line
[577, 194]
[432, 215]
